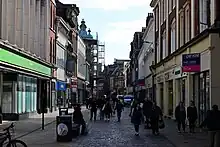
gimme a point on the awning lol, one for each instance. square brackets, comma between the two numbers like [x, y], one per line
[19, 70]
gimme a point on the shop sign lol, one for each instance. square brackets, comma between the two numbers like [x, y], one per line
[191, 62]
[60, 86]
[17, 60]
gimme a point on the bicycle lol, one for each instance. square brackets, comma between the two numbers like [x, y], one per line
[6, 135]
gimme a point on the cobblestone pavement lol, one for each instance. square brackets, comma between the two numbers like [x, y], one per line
[114, 134]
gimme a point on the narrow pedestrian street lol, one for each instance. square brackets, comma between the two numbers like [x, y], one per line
[115, 134]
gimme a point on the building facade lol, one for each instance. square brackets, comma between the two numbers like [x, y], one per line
[81, 70]
[61, 46]
[146, 57]
[186, 32]
[69, 13]
[26, 71]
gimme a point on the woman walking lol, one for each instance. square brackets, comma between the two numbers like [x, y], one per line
[107, 108]
[136, 118]
[180, 114]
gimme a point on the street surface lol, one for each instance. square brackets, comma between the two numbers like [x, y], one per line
[102, 134]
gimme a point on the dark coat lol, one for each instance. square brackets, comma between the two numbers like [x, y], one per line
[119, 106]
[136, 116]
[78, 117]
[212, 120]
[192, 113]
[147, 107]
[156, 113]
[108, 108]
[180, 115]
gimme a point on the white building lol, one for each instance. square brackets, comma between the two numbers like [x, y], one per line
[61, 44]
[81, 70]
[146, 56]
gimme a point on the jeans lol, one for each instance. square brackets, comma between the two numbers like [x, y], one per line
[214, 138]
[181, 123]
[93, 113]
[136, 127]
[101, 114]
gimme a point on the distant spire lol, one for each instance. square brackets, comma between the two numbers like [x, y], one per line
[83, 25]
[82, 31]
[89, 34]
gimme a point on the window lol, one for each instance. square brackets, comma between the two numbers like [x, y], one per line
[164, 9]
[54, 51]
[170, 6]
[51, 50]
[187, 23]
[174, 3]
[173, 36]
[158, 51]
[203, 4]
[181, 29]
[51, 15]
[157, 18]
[161, 11]
[164, 51]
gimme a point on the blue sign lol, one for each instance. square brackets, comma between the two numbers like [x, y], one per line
[191, 62]
[61, 86]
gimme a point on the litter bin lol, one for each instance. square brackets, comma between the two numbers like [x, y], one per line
[64, 128]
[63, 111]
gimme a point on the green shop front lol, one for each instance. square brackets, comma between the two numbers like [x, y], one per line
[24, 85]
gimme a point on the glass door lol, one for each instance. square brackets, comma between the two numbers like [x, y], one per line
[7, 97]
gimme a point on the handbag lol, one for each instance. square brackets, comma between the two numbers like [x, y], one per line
[161, 124]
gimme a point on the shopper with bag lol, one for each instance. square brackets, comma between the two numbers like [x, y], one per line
[156, 119]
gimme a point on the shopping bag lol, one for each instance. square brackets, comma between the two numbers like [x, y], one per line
[161, 124]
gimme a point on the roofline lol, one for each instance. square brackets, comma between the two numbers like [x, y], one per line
[153, 3]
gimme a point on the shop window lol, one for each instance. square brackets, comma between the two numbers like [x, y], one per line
[20, 90]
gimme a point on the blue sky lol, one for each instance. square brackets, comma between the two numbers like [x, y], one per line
[115, 21]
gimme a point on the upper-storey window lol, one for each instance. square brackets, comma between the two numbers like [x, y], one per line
[203, 18]
[171, 5]
[187, 23]
[157, 18]
[181, 28]
[161, 11]
[164, 49]
[173, 36]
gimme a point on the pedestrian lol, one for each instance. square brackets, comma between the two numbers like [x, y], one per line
[107, 108]
[78, 118]
[93, 109]
[192, 116]
[180, 114]
[147, 108]
[212, 121]
[119, 108]
[155, 117]
[136, 116]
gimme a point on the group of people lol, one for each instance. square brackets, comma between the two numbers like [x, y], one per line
[106, 106]
[212, 121]
[150, 112]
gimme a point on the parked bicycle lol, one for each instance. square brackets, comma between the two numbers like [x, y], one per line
[7, 140]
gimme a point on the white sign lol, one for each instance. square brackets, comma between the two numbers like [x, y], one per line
[62, 129]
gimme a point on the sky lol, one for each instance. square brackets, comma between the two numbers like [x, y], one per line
[115, 21]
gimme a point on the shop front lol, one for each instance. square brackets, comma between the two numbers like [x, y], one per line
[21, 79]
[61, 93]
[160, 91]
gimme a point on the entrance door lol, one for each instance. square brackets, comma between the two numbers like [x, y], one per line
[170, 98]
[161, 97]
[7, 97]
